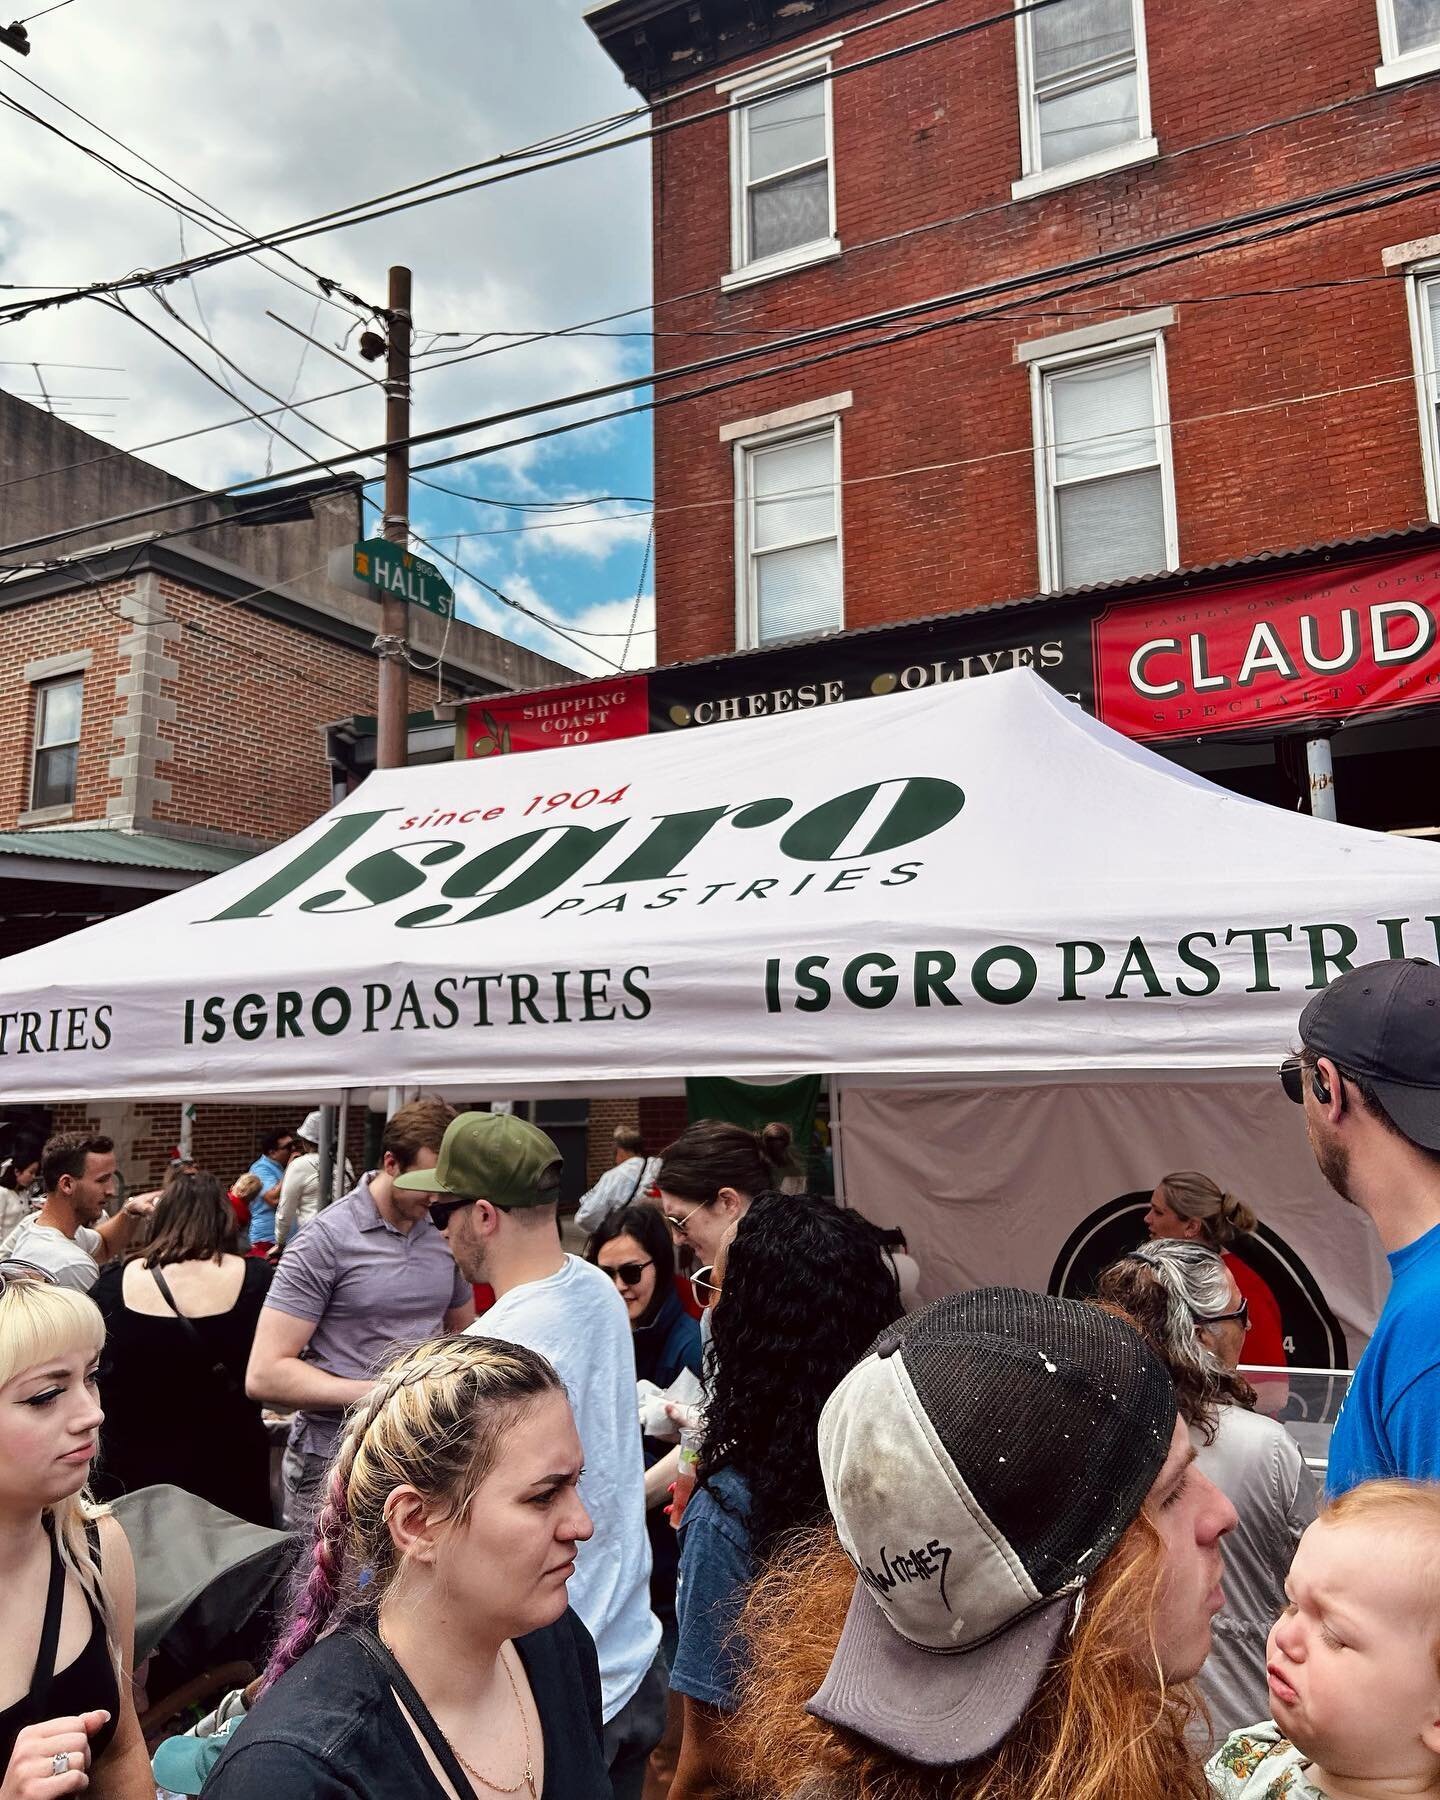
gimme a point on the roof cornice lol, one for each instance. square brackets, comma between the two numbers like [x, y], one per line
[661, 44]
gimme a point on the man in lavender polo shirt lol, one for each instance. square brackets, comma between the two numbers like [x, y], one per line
[367, 1274]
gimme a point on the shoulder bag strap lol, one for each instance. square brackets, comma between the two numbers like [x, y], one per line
[217, 1368]
[370, 1643]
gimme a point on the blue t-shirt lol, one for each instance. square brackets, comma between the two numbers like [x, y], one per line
[262, 1216]
[717, 1566]
[1390, 1422]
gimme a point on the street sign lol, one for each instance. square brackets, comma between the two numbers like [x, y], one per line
[393, 570]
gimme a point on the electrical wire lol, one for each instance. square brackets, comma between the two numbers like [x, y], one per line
[1277, 220]
[505, 166]
[42, 12]
[214, 220]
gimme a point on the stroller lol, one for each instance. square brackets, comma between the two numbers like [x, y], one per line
[208, 1586]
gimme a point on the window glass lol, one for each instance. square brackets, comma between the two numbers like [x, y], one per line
[786, 131]
[1104, 418]
[1085, 79]
[59, 713]
[1110, 529]
[794, 491]
[787, 213]
[797, 591]
[1417, 24]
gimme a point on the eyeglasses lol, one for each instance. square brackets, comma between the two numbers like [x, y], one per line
[678, 1225]
[1240, 1316]
[1292, 1079]
[626, 1274]
[706, 1290]
[443, 1211]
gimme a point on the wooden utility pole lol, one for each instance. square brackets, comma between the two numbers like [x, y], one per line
[394, 703]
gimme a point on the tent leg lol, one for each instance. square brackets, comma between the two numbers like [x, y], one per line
[837, 1138]
[337, 1186]
[394, 1100]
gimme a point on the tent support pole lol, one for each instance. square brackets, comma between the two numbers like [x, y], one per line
[834, 1084]
[1321, 766]
[337, 1184]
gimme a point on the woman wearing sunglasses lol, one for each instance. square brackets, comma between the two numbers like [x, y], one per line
[1186, 1302]
[709, 1176]
[67, 1582]
[634, 1248]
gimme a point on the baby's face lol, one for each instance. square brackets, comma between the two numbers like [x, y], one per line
[1351, 1661]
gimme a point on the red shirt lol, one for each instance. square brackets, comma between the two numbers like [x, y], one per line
[1265, 1340]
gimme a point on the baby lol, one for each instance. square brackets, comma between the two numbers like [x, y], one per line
[1354, 1660]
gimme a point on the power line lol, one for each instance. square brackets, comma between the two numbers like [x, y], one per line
[42, 12]
[506, 166]
[216, 219]
[1277, 219]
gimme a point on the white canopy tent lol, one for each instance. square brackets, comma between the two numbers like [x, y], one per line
[976, 883]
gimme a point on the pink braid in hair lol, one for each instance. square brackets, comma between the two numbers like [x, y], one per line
[316, 1602]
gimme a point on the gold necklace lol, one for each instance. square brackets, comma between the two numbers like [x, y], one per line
[527, 1778]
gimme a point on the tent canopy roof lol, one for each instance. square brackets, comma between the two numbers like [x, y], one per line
[974, 879]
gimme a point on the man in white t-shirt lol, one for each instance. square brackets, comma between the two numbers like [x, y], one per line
[71, 1236]
[494, 1194]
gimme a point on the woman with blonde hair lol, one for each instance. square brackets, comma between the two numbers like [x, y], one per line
[67, 1582]
[1024, 1564]
[1191, 1208]
[431, 1651]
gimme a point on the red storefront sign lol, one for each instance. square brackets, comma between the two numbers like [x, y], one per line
[504, 723]
[1324, 644]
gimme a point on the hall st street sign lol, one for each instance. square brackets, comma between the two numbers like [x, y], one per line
[393, 570]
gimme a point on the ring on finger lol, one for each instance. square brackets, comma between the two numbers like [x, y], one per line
[60, 1763]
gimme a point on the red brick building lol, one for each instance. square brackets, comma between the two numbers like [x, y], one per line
[1066, 313]
[172, 705]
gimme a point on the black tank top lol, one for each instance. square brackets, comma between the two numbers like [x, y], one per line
[87, 1685]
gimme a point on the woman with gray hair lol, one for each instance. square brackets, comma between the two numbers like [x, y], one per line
[1186, 1302]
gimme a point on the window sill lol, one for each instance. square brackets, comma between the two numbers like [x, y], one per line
[46, 815]
[1085, 168]
[804, 257]
[1406, 68]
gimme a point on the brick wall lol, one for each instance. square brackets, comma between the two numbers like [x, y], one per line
[662, 1120]
[57, 627]
[606, 1118]
[934, 137]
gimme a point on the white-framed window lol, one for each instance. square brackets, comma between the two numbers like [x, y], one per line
[57, 743]
[1084, 92]
[788, 537]
[1424, 287]
[782, 172]
[1104, 483]
[1409, 39]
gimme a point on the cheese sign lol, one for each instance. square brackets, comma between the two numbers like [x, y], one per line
[393, 570]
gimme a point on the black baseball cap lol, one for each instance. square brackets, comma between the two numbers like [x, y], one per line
[1382, 1023]
[980, 1464]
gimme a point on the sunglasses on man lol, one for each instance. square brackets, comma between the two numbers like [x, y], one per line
[443, 1211]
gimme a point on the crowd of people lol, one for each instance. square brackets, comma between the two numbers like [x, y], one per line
[1001, 1546]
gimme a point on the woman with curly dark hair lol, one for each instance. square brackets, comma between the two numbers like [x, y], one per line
[1186, 1302]
[805, 1288]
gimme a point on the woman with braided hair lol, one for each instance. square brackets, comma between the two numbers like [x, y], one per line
[431, 1651]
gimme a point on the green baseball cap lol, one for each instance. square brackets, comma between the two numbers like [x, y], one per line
[494, 1157]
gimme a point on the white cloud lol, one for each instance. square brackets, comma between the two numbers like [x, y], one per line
[275, 112]
[589, 655]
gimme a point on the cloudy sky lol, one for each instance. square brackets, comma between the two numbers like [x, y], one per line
[279, 110]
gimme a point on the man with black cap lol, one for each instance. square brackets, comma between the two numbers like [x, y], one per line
[494, 1193]
[1368, 1077]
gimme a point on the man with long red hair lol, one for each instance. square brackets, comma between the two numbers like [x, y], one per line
[1024, 1564]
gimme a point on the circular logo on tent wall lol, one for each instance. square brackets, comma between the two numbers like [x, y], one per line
[1313, 1336]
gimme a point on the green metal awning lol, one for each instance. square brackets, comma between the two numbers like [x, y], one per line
[122, 858]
